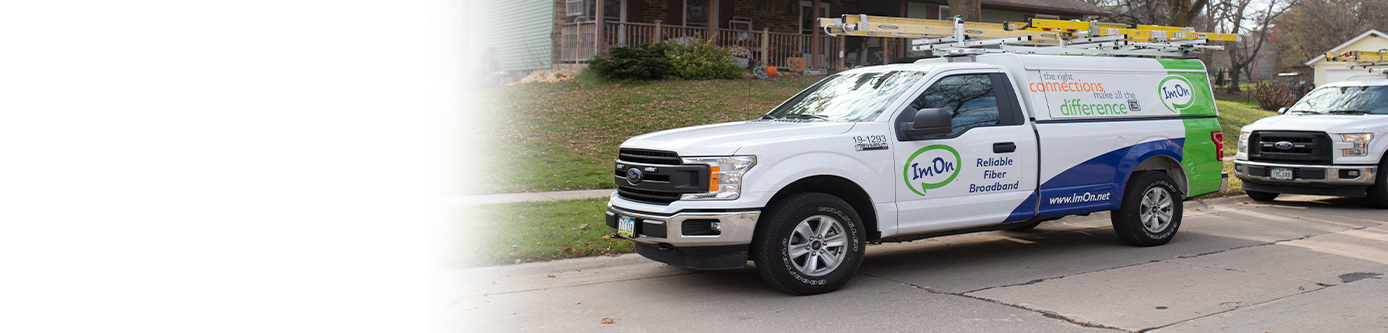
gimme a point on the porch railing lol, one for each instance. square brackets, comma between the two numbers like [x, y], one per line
[767, 47]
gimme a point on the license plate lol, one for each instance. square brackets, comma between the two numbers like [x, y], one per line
[1281, 173]
[626, 226]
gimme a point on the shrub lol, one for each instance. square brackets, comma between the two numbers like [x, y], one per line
[1219, 81]
[1275, 95]
[701, 60]
[645, 62]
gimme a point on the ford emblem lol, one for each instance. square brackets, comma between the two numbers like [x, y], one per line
[1283, 145]
[634, 176]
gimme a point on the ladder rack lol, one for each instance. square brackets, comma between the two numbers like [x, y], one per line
[1371, 60]
[1038, 36]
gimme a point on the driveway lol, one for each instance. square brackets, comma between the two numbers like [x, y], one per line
[1304, 263]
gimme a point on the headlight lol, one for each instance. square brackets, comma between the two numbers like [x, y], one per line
[1361, 137]
[724, 175]
[1361, 143]
[1243, 142]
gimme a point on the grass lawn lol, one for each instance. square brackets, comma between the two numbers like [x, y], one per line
[1234, 112]
[564, 136]
[526, 231]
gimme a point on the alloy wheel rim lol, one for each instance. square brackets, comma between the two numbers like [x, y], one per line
[817, 245]
[1156, 209]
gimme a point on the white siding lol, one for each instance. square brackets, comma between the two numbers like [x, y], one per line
[518, 31]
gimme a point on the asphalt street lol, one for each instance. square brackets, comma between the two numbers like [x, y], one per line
[1302, 264]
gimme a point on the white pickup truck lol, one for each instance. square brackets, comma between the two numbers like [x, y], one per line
[1331, 142]
[939, 147]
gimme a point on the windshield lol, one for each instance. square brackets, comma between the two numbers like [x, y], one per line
[847, 97]
[1344, 100]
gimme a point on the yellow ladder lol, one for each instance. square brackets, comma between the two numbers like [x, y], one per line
[1033, 36]
[1358, 56]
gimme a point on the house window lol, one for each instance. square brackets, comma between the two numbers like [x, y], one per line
[1047, 17]
[807, 21]
[696, 13]
[573, 8]
[944, 13]
[611, 9]
[740, 23]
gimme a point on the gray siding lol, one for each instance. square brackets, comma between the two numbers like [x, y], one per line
[517, 30]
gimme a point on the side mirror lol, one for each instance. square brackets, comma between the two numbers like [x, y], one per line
[927, 123]
[1282, 111]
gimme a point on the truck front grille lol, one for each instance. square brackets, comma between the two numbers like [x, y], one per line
[649, 156]
[664, 176]
[651, 197]
[1305, 147]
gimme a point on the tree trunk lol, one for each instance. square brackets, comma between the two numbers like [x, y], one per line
[1234, 79]
[1183, 12]
[971, 10]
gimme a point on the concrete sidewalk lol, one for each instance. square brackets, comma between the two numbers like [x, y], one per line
[467, 200]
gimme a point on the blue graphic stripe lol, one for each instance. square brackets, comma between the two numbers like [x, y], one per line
[1096, 184]
[1024, 211]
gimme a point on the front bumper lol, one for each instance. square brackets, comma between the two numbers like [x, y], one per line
[1331, 174]
[1330, 181]
[686, 239]
[689, 229]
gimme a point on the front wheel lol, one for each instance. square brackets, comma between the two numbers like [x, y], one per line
[1151, 210]
[811, 243]
[1378, 192]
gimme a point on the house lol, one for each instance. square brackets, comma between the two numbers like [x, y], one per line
[506, 54]
[1326, 72]
[772, 30]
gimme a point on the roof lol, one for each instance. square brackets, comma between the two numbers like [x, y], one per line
[1351, 41]
[1064, 6]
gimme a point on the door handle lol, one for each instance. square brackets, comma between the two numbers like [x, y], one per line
[1004, 147]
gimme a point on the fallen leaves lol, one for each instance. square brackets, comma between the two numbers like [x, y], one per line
[551, 275]
[609, 320]
[546, 77]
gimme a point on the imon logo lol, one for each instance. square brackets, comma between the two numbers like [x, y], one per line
[931, 167]
[1176, 93]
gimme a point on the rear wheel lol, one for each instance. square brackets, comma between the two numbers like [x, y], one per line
[1261, 196]
[1378, 193]
[811, 243]
[1151, 210]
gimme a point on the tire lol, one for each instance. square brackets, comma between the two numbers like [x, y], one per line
[1261, 196]
[1378, 192]
[820, 230]
[1026, 226]
[1151, 210]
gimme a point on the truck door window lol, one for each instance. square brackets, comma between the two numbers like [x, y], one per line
[969, 99]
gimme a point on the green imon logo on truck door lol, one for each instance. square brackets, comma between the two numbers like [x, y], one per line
[931, 167]
[1176, 93]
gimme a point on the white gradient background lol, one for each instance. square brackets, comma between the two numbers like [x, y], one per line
[246, 166]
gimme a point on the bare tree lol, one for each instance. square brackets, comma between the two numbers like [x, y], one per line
[971, 10]
[1181, 13]
[1234, 16]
